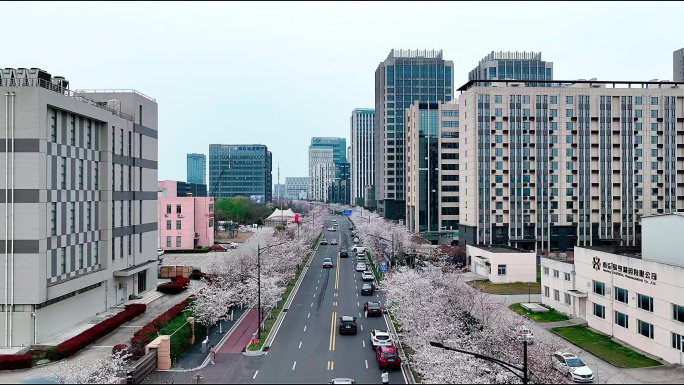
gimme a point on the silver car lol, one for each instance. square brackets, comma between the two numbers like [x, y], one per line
[360, 266]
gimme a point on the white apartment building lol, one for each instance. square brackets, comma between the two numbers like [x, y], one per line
[361, 152]
[79, 233]
[572, 163]
[297, 187]
[636, 296]
[432, 168]
[321, 173]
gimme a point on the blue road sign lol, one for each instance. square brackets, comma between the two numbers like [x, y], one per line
[383, 268]
[383, 264]
[311, 203]
[347, 213]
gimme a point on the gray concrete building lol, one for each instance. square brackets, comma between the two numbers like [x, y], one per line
[79, 201]
[678, 65]
[512, 65]
[297, 187]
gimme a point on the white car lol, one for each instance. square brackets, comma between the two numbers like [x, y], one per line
[342, 381]
[367, 276]
[570, 365]
[231, 245]
[380, 338]
[524, 333]
[360, 266]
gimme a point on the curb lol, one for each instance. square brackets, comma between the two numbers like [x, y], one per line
[281, 317]
[218, 346]
[405, 368]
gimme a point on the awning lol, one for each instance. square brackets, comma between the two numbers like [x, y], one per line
[127, 272]
[577, 293]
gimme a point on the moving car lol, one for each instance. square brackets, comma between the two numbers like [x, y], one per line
[524, 333]
[360, 266]
[367, 276]
[217, 247]
[367, 289]
[327, 262]
[372, 308]
[342, 381]
[570, 365]
[347, 324]
[331, 229]
[324, 241]
[344, 253]
[380, 338]
[333, 241]
[387, 357]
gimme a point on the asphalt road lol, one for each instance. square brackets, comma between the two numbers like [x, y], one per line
[308, 347]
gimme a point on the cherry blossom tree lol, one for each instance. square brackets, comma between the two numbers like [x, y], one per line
[447, 310]
[107, 370]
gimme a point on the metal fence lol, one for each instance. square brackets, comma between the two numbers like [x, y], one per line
[143, 367]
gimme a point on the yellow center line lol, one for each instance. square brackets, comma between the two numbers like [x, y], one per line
[334, 332]
[331, 365]
[331, 345]
[337, 273]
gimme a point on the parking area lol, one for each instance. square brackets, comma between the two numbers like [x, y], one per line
[205, 260]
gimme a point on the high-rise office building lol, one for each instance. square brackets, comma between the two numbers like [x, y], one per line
[297, 187]
[678, 65]
[513, 65]
[404, 77]
[361, 153]
[339, 148]
[184, 189]
[573, 163]
[338, 145]
[197, 169]
[80, 202]
[432, 169]
[340, 190]
[246, 171]
[321, 173]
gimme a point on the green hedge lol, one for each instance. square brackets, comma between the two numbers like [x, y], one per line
[180, 341]
[188, 251]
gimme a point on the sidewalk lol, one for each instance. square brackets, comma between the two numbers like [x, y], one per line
[562, 324]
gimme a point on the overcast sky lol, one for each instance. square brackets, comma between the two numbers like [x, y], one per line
[280, 73]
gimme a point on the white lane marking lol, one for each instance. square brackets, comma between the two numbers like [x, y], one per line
[364, 343]
[319, 281]
[366, 364]
[300, 344]
[357, 294]
[314, 295]
[308, 316]
[293, 365]
[357, 288]
[359, 314]
[255, 374]
[304, 327]
[311, 304]
[358, 304]
[316, 287]
[361, 327]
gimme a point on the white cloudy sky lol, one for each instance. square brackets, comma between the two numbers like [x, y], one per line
[279, 73]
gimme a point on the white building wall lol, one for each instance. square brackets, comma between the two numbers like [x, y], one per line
[554, 278]
[321, 173]
[520, 266]
[660, 237]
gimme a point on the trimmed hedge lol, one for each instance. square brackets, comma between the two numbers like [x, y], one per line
[176, 286]
[73, 345]
[15, 361]
[149, 332]
[188, 251]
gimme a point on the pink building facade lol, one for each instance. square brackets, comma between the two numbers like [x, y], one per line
[184, 222]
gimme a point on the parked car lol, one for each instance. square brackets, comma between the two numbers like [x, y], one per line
[387, 357]
[367, 289]
[573, 367]
[327, 262]
[373, 308]
[231, 245]
[342, 381]
[367, 276]
[324, 241]
[360, 266]
[380, 338]
[347, 324]
[217, 247]
[333, 241]
[524, 333]
[344, 253]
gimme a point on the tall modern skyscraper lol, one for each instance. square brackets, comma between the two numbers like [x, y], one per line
[678, 65]
[246, 171]
[362, 153]
[338, 145]
[404, 77]
[197, 169]
[321, 173]
[513, 65]
[340, 177]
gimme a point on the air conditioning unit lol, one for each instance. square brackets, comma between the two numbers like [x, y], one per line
[180, 215]
[166, 215]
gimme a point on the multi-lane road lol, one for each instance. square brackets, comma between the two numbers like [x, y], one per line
[308, 347]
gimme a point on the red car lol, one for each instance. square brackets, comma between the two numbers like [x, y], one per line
[217, 247]
[387, 357]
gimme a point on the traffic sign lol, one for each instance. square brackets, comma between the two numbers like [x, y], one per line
[383, 264]
[347, 213]
[383, 268]
[311, 203]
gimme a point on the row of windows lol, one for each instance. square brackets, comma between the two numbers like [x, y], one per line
[553, 99]
[556, 296]
[78, 253]
[556, 273]
[644, 302]
[71, 218]
[644, 328]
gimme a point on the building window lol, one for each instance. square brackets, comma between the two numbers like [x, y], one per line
[53, 218]
[677, 341]
[178, 241]
[140, 242]
[678, 313]
[80, 256]
[73, 130]
[130, 245]
[121, 210]
[73, 217]
[53, 126]
[599, 288]
[96, 176]
[622, 320]
[89, 215]
[89, 133]
[130, 143]
[654, 101]
[168, 209]
[62, 261]
[168, 225]
[96, 257]
[567, 275]
[121, 247]
[178, 209]
[211, 207]
[546, 291]
[546, 269]
[556, 295]
[178, 225]
[211, 222]
[645, 302]
[122, 141]
[621, 295]
[498, 99]
[501, 269]
[568, 300]
[599, 311]
[568, 100]
[80, 174]
[645, 329]
[63, 180]
[121, 178]
[555, 273]
[130, 212]
[168, 241]
[130, 177]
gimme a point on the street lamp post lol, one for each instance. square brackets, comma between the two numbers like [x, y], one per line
[259, 249]
[529, 292]
[510, 367]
